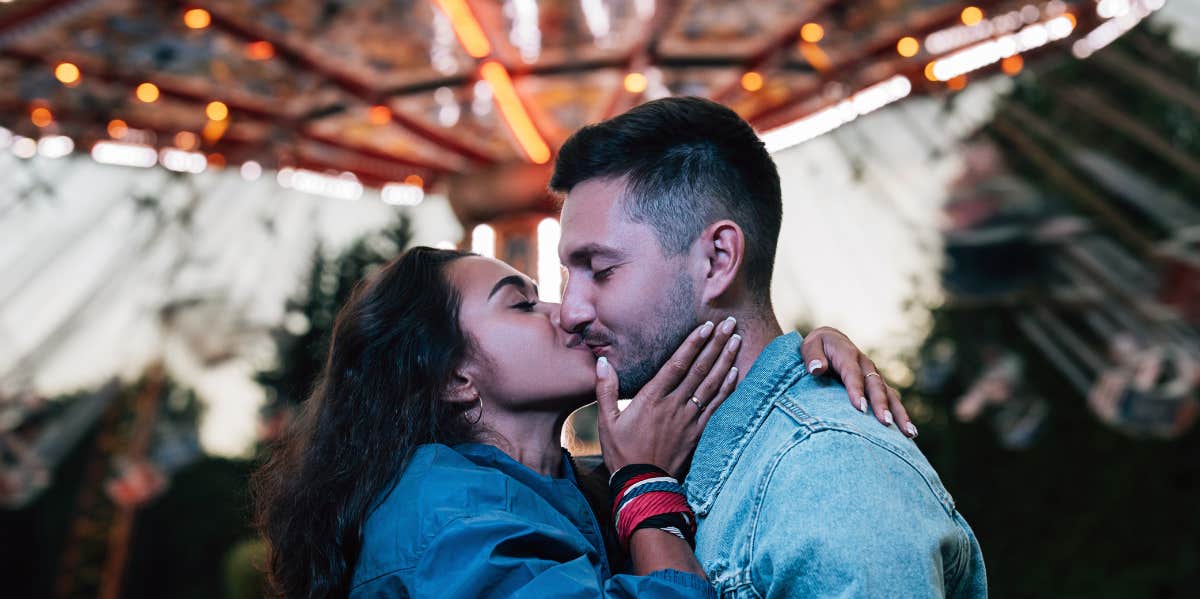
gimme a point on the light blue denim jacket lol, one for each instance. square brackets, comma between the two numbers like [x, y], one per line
[800, 495]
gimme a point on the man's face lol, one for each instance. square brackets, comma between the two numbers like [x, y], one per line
[624, 298]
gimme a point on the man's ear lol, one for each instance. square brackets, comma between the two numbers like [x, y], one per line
[723, 247]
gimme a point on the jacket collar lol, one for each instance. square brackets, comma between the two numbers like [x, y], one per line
[725, 436]
[492, 457]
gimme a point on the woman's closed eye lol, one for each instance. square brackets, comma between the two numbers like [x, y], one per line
[525, 306]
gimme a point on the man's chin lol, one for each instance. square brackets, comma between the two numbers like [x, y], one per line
[636, 376]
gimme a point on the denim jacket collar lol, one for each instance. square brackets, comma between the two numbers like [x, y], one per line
[725, 436]
[490, 455]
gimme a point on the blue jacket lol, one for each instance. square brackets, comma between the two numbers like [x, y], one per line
[800, 495]
[470, 521]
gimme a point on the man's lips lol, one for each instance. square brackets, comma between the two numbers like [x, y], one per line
[598, 350]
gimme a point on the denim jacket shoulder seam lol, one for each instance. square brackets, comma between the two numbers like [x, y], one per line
[933, 485]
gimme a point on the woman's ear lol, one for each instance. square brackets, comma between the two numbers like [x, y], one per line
[462, 389]
[724, 247]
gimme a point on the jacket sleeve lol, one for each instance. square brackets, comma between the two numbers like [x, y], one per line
[498, 554]
[845, 517]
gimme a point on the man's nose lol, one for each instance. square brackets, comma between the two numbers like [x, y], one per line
[576, 311]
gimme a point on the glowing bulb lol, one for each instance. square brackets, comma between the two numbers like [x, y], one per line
[971, 15]
[379, 115]
[186, 140]
[117, 128]
[908, 47]
[483, 241]
[635, 83]
[216, 111]
[251, 170]
[415, 180]
[67, 73]
[929, 71]
[752, 81]
[147, 92]
[41, 116]
[1012, 64]
[812, 33]
[197, 18]
[260, 50]
[549, 270]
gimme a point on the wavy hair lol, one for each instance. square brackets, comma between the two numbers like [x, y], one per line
[380, 394]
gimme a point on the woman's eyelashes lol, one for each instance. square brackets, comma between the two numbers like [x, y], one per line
[525, 306]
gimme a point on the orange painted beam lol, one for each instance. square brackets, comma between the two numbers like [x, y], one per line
[514, 112]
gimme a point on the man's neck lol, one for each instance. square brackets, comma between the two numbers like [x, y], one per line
[758, 328]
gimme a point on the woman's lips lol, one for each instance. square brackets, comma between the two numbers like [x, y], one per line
[599, 350]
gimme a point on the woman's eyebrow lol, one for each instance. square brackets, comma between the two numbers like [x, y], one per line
[514, 280]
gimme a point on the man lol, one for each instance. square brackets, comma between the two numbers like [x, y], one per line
[671, 218]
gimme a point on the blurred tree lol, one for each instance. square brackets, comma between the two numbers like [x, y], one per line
[1053, 259]
[304, 338]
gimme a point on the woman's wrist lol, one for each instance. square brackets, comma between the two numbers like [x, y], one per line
[646, 496]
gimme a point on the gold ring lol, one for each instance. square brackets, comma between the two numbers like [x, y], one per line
[697, 402]
[871, 374]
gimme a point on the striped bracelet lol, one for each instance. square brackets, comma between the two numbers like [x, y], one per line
[645, 496]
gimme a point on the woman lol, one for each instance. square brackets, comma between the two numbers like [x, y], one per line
[428, 462]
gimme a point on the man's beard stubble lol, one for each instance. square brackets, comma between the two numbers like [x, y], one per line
[648, 349]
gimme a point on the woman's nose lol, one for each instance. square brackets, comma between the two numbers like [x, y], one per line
[552, 310]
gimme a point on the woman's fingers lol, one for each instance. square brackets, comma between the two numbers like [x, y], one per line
[902, 420]
[877, 392]
[606, 390]
[711, 385]
[678, 365]
[852, 378]
[812, 350]
[707, 362]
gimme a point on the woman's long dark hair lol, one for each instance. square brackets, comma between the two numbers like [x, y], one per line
[394, 347]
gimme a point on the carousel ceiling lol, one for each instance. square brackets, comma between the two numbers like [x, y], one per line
[415, 90]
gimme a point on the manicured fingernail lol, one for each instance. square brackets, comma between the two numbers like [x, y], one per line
[912, 430]
[862, 405]
[602, 366]
[706, 329]
[728, 325]
[732, 376]
[734, 342]
[813, 366]
[887, 417]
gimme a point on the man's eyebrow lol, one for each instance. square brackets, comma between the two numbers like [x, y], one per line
[586, 252]
[515, 281]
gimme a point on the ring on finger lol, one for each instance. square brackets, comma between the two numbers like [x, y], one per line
[697, 402]
[871, 374]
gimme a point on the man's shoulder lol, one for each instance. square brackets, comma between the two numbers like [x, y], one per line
[819, 404]
[813, 433]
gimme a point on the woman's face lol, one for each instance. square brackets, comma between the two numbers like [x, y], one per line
[522, 360]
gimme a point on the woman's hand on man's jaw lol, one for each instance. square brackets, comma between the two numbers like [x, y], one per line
[663, 422]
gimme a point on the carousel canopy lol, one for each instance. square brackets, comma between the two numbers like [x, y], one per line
[416, 90]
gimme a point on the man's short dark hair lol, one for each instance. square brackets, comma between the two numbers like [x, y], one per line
[687, 163]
